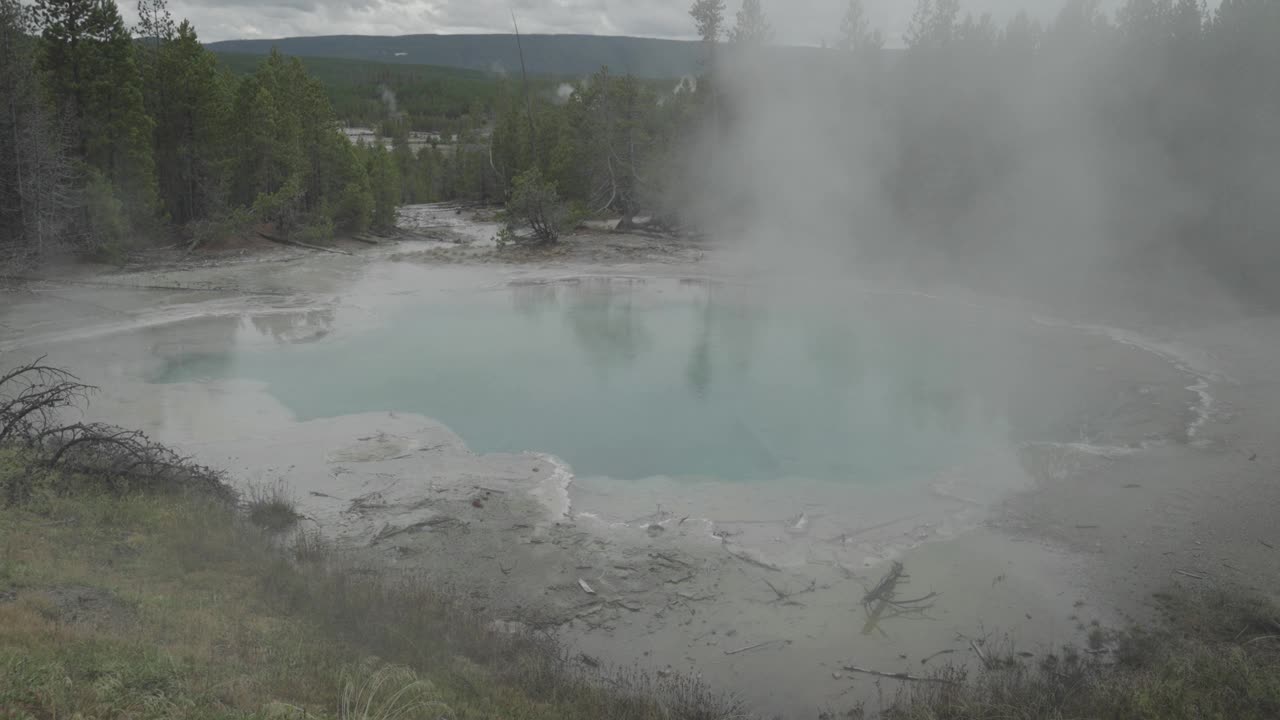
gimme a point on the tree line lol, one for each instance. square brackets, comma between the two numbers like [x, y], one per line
[112, 137]
[1137, 142]
[1143, 143]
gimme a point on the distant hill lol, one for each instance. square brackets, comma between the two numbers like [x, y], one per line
[563, 55]
[358, 89]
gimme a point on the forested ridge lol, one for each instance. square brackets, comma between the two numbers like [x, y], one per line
[558, 55]
[118, 137]
[366, 93]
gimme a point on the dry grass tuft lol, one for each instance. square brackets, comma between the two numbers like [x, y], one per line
[272, 507]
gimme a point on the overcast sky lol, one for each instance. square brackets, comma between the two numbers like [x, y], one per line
[805, 22]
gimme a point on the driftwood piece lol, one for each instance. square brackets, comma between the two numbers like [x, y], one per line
[751, 647]
[881, 601]
[884, 589]
[925, 661]
[750, 557]
[896, 676]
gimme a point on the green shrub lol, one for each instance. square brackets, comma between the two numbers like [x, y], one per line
[108, 224]
[536, 204]
[232, 223]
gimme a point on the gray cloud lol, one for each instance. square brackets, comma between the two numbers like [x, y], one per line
[807, 22]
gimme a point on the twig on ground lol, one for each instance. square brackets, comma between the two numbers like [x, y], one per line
[630, 607]
[751, 647]
[781, 595]
[1261, 639]
[669, 559]
[925, 661]
[591, 610]
[896, 676]
[748, 557]
[905, 604]
[786, 597]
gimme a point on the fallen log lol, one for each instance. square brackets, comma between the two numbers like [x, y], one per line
[307, 246]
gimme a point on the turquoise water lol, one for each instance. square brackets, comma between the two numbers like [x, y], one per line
[631, 382]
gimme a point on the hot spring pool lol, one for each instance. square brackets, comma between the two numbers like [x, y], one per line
[633, 380]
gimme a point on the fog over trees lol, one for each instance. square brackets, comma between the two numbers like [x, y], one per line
[1141, 146]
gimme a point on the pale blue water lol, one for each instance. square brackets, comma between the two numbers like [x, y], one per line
[632, 383]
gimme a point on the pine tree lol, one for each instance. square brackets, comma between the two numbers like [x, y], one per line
[615, 142]
[384, 181]
[89, 69]
[263, 160]
[752, 28]
[37, 196]
[190, 107]
[708, 18]
[856, 34]
[291, 164]
[933, 24]
[1022, 36]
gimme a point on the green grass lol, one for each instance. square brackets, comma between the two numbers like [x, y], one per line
[166, 606]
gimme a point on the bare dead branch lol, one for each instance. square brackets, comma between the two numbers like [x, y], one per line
[34, 402]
